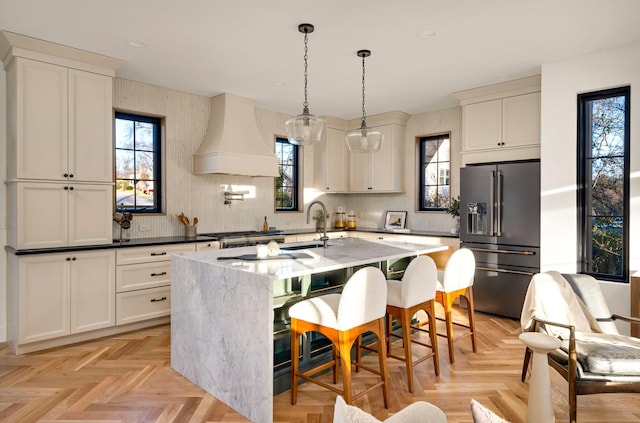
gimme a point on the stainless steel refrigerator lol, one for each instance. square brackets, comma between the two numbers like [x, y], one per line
[500, 223]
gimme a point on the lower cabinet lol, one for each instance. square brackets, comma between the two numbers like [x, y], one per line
[62, 294]
[143, 281]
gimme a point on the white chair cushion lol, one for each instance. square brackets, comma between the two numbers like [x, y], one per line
[363, 299]
[417, 412]
[322, 310]
[481, 414]
[394, 290]
[459, 271]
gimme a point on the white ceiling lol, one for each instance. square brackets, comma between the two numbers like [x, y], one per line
[253, 48]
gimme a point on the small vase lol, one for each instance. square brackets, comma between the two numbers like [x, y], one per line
[190, 231]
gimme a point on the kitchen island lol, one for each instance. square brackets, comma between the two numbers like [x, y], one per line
[222, 312]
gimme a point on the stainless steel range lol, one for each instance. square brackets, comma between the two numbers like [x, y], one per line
[245, 238]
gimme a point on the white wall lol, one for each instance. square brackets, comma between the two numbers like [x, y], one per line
[561, 83]
[3, 207]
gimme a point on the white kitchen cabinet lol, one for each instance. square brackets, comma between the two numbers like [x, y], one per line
[511, 122]
[382, 171]
[63, 294]
[501, 122]
[331, 161]
[143, 281]
[208, 245]
[61, 125]
[54, 215]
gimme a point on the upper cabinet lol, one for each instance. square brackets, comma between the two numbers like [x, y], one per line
[62, 123]
[501, 122]
[382, 171]
[330, 162]
[59, 143]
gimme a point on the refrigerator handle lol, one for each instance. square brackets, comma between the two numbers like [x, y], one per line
[492, 203]
[499, 204]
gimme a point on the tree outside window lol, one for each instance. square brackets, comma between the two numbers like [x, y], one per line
[435, 169]
[137, 163]
[604, 180]
[286, 189]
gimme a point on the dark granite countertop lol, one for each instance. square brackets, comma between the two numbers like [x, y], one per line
[164, 240]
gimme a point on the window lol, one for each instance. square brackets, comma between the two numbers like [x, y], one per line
[138, 163]
[287, 181]
[435, 169]
[603, 183]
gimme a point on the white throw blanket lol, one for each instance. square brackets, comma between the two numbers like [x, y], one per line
[550, 297]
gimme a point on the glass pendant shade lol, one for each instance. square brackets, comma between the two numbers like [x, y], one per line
[305, 129]
[364, 140]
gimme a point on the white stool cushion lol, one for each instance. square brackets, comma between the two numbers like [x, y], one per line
[459, 271]
[417, 286]
[321, 310]
[363, 300]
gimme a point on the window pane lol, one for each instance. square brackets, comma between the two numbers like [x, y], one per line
[124, 133]
[607, 248]
[607, 187]
[286, 186]
[144, 165]
[124, 164]
[144, 136]
[607, 126]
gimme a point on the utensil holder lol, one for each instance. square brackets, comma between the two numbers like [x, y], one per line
[190, 231]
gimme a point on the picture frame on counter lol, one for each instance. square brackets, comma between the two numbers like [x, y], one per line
[395, 220]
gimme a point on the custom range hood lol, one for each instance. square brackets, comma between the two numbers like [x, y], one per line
[233, 145]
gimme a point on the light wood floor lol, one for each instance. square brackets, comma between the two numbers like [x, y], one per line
[127, 378]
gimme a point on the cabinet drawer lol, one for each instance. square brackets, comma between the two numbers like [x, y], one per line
[140, 305]
[151, 254]
[142, 276]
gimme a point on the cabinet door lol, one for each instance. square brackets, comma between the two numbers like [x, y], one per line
[43, 297]
[41, 144]
[359, 180]
[384, 163]
[482, 125]
[521, 120]
[42, 215]
[330, 162]
[92, 290]
[90, 123]
[90, 216]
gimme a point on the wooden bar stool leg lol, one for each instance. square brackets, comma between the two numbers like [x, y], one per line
[449, 323]
[382, 359]
[295, 352]
[335, 364]
[472, 324]
[431, 315]
[405, 321]
[345, 362]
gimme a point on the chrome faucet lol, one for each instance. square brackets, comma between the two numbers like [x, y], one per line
[324, 237]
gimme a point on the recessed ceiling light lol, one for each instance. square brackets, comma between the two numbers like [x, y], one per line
[426, 33]
[137, 43]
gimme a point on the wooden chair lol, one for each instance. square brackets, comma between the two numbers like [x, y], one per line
[416, 291]
[457, 281]
[594, 357]
[343, 318]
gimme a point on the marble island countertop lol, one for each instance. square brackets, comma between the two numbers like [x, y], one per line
[222, 315]
[340, 253]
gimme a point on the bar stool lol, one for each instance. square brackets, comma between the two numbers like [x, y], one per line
[343, 318]
[416, 291]
[457, 282]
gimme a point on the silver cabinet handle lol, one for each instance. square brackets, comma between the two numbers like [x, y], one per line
[514, 272]
[486, 250]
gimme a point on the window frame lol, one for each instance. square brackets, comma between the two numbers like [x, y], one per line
[584, 155]
[297, 159]
[158, 162]
[420, 141]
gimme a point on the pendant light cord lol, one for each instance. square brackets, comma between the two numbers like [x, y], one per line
[364, 119]
[305, 105]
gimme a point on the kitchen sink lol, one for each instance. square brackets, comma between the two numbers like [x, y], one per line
[306, 246]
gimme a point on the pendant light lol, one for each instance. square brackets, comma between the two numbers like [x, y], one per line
[305, 129]
[363, 139]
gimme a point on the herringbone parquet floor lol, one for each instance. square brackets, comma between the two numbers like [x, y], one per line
[127, 378]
